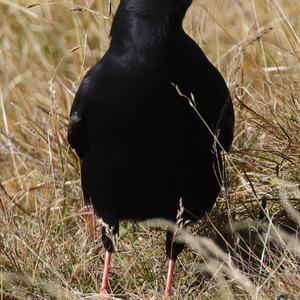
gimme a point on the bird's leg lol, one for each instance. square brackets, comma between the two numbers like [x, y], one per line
[173, 249]
[104, 283]
[108, 233]
[89, 220]
[170, 276]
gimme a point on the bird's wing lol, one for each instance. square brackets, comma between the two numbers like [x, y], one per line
[77, 136]
[225, 124]
[211, 95]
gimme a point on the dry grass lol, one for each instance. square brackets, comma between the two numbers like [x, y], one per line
[45, 50]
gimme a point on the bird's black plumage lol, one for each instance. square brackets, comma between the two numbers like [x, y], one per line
[142, 145]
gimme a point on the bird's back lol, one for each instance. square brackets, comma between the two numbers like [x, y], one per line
[142, 145]
[141, 138]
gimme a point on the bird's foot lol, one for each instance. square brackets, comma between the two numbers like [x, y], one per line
[167, 295]
[103, 295]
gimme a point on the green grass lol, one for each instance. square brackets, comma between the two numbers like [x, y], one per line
[253, 248]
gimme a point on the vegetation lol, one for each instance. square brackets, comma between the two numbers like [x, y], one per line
[249, 245]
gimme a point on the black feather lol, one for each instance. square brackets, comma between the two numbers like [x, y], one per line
[142, 145]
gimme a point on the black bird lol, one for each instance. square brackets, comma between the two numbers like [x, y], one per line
[149, 122]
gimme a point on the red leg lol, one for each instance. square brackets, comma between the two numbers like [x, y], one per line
[104, 284]
[170, 276]
[89, 220]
